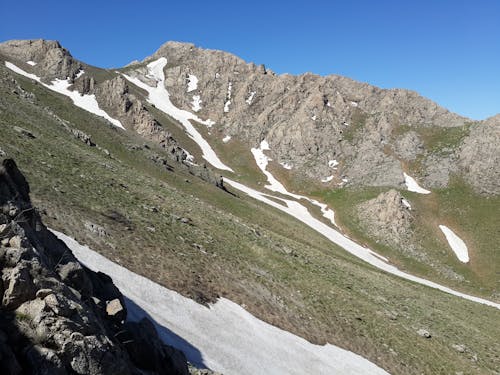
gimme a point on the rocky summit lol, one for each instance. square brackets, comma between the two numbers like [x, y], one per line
[319, 211]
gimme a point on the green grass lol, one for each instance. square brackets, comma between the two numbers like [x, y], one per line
[255, 255]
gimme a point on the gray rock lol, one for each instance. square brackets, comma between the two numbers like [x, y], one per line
[24, 132]
[20, 287]
[459, 348]
[479, 156]
[408, 146]
[424, 333]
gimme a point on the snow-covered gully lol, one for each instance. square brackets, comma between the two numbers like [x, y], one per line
[224, 337]
[160, 98]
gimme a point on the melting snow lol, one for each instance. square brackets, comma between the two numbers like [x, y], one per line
[327, 179]
[456, 243]
[32, 63]
[274, 185]
[333, 163]
[86, 102]
[406, 203]
[223, 337]
[196, 103]
[286, 165]
[160, 97]
[412, 185]
[228, 97]
[226, 139]
[192, 83]
[250, 98]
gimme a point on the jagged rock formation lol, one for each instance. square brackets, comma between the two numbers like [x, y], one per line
[57, 316]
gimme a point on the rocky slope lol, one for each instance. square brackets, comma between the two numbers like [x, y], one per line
[374, 134]
[57, 316]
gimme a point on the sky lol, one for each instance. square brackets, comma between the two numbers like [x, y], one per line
[446, 50]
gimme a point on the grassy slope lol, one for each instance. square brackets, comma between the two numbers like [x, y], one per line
[282, 271]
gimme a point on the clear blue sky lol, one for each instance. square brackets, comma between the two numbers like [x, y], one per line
[447, 50]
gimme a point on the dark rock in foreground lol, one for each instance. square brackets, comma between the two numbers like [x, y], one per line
[57, 316]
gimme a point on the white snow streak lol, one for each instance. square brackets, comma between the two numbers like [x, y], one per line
[192, 83]
[327, 179]
[456, 243]
[250, 98]
[32, 63]
[226, 139]
[412, 185]
[86, 102]
[160, 97]
[196, 103]
[301, 213]
[229, 339]
[228, 97]
[274, 185]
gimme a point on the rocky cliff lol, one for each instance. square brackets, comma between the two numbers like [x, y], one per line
[57, 316]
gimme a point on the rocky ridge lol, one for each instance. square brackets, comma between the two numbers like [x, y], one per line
[308, 120]
[52, 61]
[57, 316]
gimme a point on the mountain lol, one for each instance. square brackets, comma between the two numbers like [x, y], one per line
[213, 177]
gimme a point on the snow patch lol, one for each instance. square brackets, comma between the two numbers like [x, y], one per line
[354, 104]
[226, 106]
[286, 165]
[32, 63]
[192, 83]
[226, 139]
[229, 339]
[86, 102]
[160, 97]
[333, 163]
[327, 179]
[456, 243]
[412, 185]
[328, 104]
[196, 103]
[250, 98]
[406, 203]
[313, 118]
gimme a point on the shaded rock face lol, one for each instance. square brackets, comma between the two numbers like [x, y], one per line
[57, 316]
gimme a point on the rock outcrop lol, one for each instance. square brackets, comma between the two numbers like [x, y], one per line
[57, 316]
[387, 216]
[51, 60]
[480, 156]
